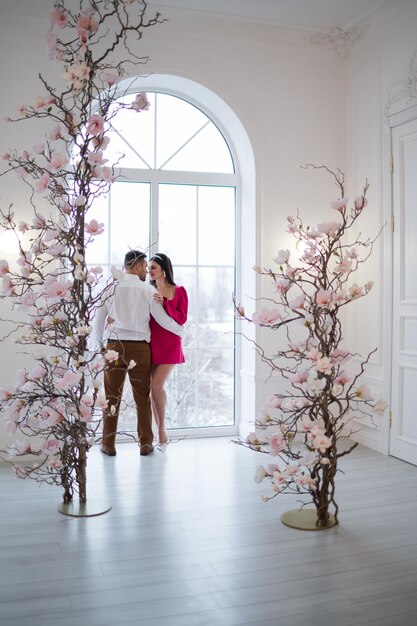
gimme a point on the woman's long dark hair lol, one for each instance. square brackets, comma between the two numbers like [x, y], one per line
[165, 264]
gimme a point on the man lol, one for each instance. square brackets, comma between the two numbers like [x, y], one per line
[129, 305]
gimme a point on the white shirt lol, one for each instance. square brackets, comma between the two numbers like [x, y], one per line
[130, 303]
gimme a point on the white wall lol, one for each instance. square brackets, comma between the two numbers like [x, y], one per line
[289, 96]
[377, 63]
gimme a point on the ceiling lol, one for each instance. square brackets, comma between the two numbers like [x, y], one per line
[309, 14]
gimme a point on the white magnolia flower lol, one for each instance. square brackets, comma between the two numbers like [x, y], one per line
[282, 257]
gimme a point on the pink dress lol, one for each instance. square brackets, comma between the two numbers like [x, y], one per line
[166, 348]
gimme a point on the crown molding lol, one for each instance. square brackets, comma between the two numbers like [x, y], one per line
[338, 40]
[403, 93]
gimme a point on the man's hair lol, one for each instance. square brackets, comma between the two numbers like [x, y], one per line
[132, 257]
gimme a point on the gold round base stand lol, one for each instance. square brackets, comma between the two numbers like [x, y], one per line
[91, 508]
[305, 519]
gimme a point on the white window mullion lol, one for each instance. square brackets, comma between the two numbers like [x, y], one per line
[197, 302]
[154, 219]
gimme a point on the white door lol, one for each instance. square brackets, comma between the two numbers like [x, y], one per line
[403, 434]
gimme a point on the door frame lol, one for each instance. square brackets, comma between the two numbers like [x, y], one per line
[391, 121]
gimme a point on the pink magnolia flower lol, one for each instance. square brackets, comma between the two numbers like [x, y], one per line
[42, 183]
[76, 75]
[339, 296]
[339, 355]
[28, 298]
[266, 316]
[343, 378]
[141, 102]
[111, 78]
[314, 354]
[279, 478]
[344, 266]
[321, 443]
[360, 203]
[277, 443]
[283, 285]
[306, 481]
[101, 402]
[80, 200]
[107, 174]
[38, 372]
[299, 377]
[8, 286]
[95, 125]
[111, 356]
[274, 401]
[59, 289]
[23, 446]
[94, 227]
[56, 250]
[380, 407]
[38, 148]
[352, 253]
[363, 393]
[324, 365]
[69, 380]
[52, 416]
[339, 204]
[355, 291]
[96, 158]
[282, 257]
[55, 462]
[21, 378]
[51, 446]
[310, 253]
[56, 133]
[86, 413]
[43, 101]
[101, 142]
[51, 41]
[58, 161]
[24, 258]
[324, 297]
[4, 394]
[87, 21]
[293, 228]
[20, 172]
[39, 221]
[328, 228]
[260, 474]
[297, 303]
[4, 267]
[52, 233]
[59, 18]
[21, 471]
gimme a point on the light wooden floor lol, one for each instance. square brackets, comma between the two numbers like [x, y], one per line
[189, 542]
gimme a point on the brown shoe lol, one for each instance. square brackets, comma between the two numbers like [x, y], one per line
[107, 451]
[146, 449]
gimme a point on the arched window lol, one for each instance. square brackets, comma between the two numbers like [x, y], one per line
[177, 193]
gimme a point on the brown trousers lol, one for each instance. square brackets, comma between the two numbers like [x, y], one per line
[114, 378]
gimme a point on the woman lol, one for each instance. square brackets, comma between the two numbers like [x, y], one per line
[166, 348]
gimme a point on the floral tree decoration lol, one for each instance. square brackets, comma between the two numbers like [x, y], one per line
[301, 427]
[54, 409]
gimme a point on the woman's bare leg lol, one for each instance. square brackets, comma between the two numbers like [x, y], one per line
[160, 374]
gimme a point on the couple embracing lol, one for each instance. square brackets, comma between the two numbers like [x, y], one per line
[143, 324]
